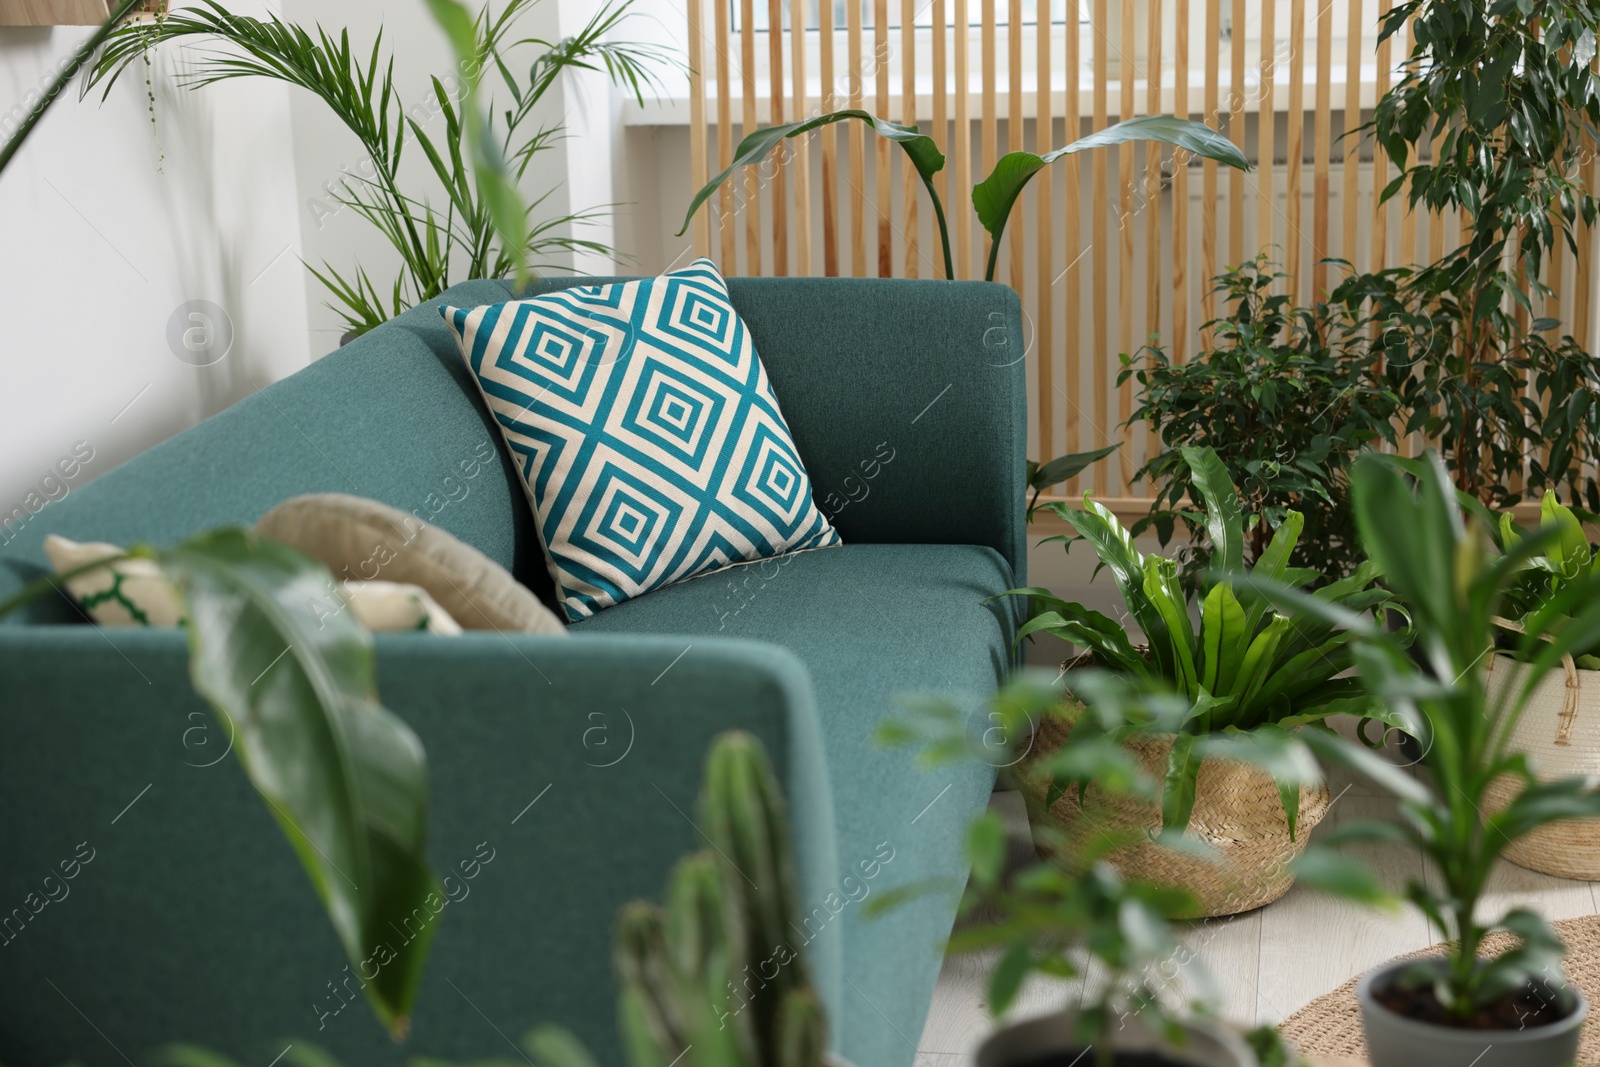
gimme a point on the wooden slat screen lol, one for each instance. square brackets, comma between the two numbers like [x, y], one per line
[1106, 252]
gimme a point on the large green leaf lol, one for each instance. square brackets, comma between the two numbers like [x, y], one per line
[1182, 779]
[345, 778]
[920, 149]
[994, 196]
[1224, 518]
[1225, 635]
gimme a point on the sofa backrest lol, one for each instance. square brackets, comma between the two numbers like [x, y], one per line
[905, 398]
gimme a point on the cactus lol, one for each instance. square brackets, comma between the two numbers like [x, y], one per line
[710, 977]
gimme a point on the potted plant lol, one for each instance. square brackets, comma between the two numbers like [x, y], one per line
[1287, 397]
[1250, 675]
[1078, 913]
[1493, 106]
[1559, 727]
[1459, 1008]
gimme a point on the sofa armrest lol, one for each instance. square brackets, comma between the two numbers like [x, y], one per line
[572, 764]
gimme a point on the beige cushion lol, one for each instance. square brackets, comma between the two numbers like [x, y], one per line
[135, 592]
[364, 540]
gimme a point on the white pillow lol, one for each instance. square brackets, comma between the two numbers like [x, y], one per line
[134, 592]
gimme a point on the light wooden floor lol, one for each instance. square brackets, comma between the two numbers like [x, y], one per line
[1268, 963]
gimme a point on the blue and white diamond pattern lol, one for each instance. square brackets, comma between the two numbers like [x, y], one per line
[648, 437]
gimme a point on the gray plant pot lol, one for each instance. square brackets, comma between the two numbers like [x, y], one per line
[1030, 1042]
[1396, 1041]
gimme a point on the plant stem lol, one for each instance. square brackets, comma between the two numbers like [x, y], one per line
[68, 72]
[944, 230]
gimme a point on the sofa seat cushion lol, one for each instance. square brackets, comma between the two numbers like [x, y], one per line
[870, 622]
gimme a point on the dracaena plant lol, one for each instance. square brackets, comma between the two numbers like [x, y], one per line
[1245, 669]
[1444, 563]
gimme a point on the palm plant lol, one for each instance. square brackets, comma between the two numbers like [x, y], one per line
[1445, 567]
[1246, 670]
[463, 228]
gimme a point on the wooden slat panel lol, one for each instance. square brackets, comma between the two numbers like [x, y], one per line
[990, 74]
[1352, 143]
[958, 205]
[1409, 219]
[802, 145]
[1125, 227]
[1180, 185]
[1097, 405]
[1180, 339]
[1152, 214]
[1016, 229]
[1208, 169]
[908, 115]
[1236, 123]
[752, 173]
[1043, 136]
[858, 165]
[697, 123]
[1152, 182]
[884, 171]
[1380, 159]
[1266, 131]
[725, 228]
[1295, 150]
[830, 142]
[1076, 433]
[780, 158]
[1321, 149]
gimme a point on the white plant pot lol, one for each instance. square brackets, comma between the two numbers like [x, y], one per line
[1560, 732]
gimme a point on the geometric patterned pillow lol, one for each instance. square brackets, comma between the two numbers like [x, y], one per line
[649, 441]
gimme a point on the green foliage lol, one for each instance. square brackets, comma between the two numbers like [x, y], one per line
[1075, 913]
[472, 223]
[1552, 586]
[1446, 569]
[1504, 94]
[1463, 377]
[1048, 475]
[1247, 672]
[1287, 397]
[685, 964]
[920, 149]
[993, 197]
[345, 779]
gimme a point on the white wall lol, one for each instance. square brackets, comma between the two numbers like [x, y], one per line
[102, 248]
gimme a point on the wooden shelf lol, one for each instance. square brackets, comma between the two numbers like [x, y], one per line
[60, 12]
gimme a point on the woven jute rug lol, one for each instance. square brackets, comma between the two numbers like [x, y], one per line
[1330, 1026]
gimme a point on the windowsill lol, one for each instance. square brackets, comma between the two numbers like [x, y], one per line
[673, 110]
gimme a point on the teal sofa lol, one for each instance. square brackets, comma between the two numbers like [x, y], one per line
[563, 771]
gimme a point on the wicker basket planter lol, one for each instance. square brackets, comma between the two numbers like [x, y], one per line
[1237, 812]
[1560, 731]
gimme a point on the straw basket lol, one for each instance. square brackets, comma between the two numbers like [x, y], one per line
[1237, 811]
[1560, 731]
